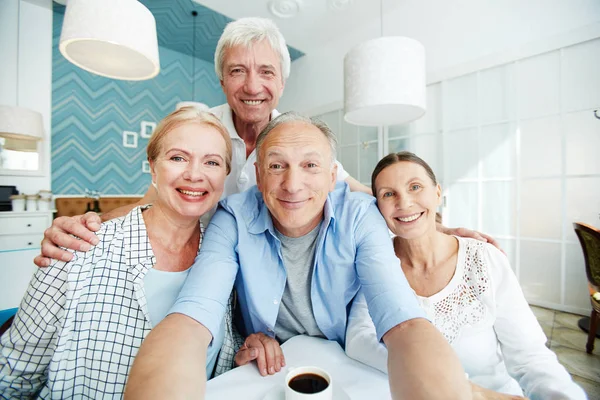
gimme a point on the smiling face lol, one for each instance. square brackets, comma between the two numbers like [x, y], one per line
[190, 169]
[252, 81]
[295, 172]
[408, 199]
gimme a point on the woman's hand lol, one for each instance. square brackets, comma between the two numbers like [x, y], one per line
[265, 350]
[480, 393]
[60, 235]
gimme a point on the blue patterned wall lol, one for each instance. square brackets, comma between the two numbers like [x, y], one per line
[90, 113]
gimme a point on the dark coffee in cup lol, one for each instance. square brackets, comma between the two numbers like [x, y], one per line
[308, 383]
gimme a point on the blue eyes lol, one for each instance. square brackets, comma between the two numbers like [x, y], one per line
[178, 159]
[413, 188]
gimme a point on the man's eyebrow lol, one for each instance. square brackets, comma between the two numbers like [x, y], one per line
[309, 154]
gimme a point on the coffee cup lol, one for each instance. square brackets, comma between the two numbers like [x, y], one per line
[308, 383]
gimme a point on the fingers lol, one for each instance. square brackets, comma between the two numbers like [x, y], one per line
[245, 355]
[91, 220]
[76, 226]
[493, 242]
[59, 234]
[41, 261]
[268, 354]
[464, 232]
[273, 362]
[51, 251]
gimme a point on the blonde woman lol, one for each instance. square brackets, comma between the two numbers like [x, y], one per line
[81, 322]
[466, 287]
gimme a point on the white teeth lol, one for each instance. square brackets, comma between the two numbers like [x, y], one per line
[409, 219]
[189, 193]
[252, 102]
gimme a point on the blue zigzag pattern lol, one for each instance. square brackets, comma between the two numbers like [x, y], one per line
[89, 114]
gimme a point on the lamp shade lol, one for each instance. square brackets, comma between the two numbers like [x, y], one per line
[21, 123]
[111, 38]
[384, 82]
[195, 104]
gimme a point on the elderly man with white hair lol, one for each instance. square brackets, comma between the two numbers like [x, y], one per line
[252, 62]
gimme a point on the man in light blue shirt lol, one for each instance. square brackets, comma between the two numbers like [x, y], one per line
[247, 244]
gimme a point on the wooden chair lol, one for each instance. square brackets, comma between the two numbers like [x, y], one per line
[589, 237]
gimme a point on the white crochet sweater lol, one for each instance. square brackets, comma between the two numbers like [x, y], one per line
[484, 316]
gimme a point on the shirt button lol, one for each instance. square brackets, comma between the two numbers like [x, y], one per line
[275, 301]
[243, 179]
[269, 330]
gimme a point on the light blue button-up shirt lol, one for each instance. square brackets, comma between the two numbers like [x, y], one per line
[353, 250]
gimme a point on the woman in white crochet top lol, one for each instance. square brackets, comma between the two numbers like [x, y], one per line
[467, 288]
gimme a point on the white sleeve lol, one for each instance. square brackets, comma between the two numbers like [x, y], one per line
[341, 172]
[522, 340]
[361, 337]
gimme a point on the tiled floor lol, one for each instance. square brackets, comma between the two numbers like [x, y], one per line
[568, 342]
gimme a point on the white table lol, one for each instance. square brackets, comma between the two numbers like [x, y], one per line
[358, 380]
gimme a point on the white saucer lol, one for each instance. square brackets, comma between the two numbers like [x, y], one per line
[278, 393]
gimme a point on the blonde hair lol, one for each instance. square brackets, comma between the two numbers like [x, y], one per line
[182, 116]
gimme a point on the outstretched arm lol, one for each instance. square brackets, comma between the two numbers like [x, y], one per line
[422, 365]
[171, 363]
[362, 345]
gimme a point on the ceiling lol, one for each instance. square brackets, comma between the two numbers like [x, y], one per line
[314, 22]
[175, 27]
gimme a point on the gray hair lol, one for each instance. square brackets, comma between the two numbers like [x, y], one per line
[292, 116]
[245, 32]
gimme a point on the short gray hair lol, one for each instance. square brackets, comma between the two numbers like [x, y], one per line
[247, 31]
[292, 116]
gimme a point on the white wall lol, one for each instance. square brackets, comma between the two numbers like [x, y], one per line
[453, 33]
[26, 36]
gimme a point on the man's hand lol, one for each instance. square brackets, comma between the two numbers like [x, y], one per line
[59, 234]
[464, 232]
[480, 393]
[265, 350]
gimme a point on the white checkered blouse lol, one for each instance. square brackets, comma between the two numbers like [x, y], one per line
[80, 323]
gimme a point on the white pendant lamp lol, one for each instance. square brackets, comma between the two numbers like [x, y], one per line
[111, 38]
[20, 123]
[384, 81]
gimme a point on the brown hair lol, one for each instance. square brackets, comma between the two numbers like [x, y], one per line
[395, 158]
[182, 116]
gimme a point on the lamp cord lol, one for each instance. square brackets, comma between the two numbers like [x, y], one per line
[194, 15]
[381, 15]
[18, 44]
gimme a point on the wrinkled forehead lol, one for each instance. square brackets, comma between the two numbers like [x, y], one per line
[298, 138]
[259, 48]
